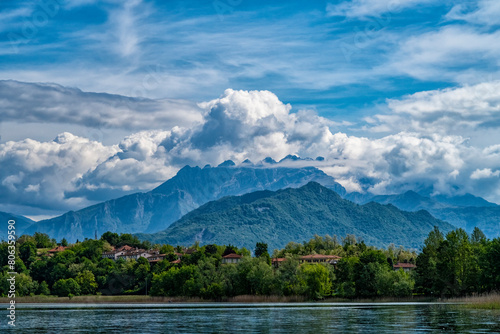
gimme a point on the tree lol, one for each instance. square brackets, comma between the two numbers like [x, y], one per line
[166, 249]
[86, 280]
[64, 242]
[43, 240]
[427, 263]
[260, 277]
[27, 252]
[112, 238]
[291, 282]
[394, 283]
[260, 249]
[346, 276]
[477, 236]
[491, 275]
[182, 281]
[211, 249]
[65, 287]
[317, 278]
[43, 289]
[230, 249]
[457, 264]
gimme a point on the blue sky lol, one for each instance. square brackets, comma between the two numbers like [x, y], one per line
[382, 73]
[305, 52]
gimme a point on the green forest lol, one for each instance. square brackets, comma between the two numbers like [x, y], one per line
[455, 264]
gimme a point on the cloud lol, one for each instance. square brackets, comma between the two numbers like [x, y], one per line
[367, 8]
[483, 12]
[37, 174]
[484, 174]
[50, 103]
[468, 111]
[454, 53]
[73, 171]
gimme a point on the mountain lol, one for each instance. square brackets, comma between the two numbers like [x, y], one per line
[191, 187]
[22, 223]
[465, 211]
[408, 201]
[296, 214]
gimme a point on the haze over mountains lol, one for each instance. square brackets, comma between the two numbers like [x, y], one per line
[192, 187]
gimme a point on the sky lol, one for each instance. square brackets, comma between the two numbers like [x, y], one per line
[99, 99]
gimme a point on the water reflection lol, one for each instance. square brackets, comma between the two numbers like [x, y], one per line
[224, 318]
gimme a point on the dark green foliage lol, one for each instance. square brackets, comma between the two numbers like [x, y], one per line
[112, 238]
[43, 289]
[453, 265]
[43, 240]
[457, 264]
[27, 252]
[317, 280]
[260, 249]
[87, 283]
[65, 287]
[294, 215]
[230, 249]
[211, 249]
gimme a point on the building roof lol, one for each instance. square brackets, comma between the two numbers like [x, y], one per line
[232, 256]
[124, 248]
[404, 265]
[279, 259]
[58, 249]
[320, 257]
[176, 261]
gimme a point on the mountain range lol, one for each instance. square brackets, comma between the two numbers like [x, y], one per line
[466, 211]
[297, 215]
[22, 223]
[192, 186]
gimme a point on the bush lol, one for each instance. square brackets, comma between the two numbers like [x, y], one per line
[65, 287]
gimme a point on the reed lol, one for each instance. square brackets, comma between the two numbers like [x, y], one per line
[490, 301]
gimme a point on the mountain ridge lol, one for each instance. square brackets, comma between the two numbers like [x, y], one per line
[296, 214]
[191, 187]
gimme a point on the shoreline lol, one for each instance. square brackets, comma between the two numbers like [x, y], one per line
[243, 299]
[490, 301]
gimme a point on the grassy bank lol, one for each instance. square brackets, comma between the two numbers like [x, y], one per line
[149, 299]
[489, 301]
[237, 299]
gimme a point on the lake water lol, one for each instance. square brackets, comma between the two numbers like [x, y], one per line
[313, 318]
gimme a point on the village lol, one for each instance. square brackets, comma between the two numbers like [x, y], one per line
[153, 256]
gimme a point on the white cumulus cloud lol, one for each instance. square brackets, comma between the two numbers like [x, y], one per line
[71, 171]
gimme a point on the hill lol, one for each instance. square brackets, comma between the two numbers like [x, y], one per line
[466, 211]
[22, 223]
[192, 186]
[296, 215]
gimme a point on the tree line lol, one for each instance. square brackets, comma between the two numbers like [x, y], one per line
[454, 264]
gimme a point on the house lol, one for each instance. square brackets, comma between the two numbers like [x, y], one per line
[127, 252]
[276, 262]
[231, 258]
[58, 249]
[320, 258]
[156, 257]
[407, 267]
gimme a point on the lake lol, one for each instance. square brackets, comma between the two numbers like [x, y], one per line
[252, 318]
